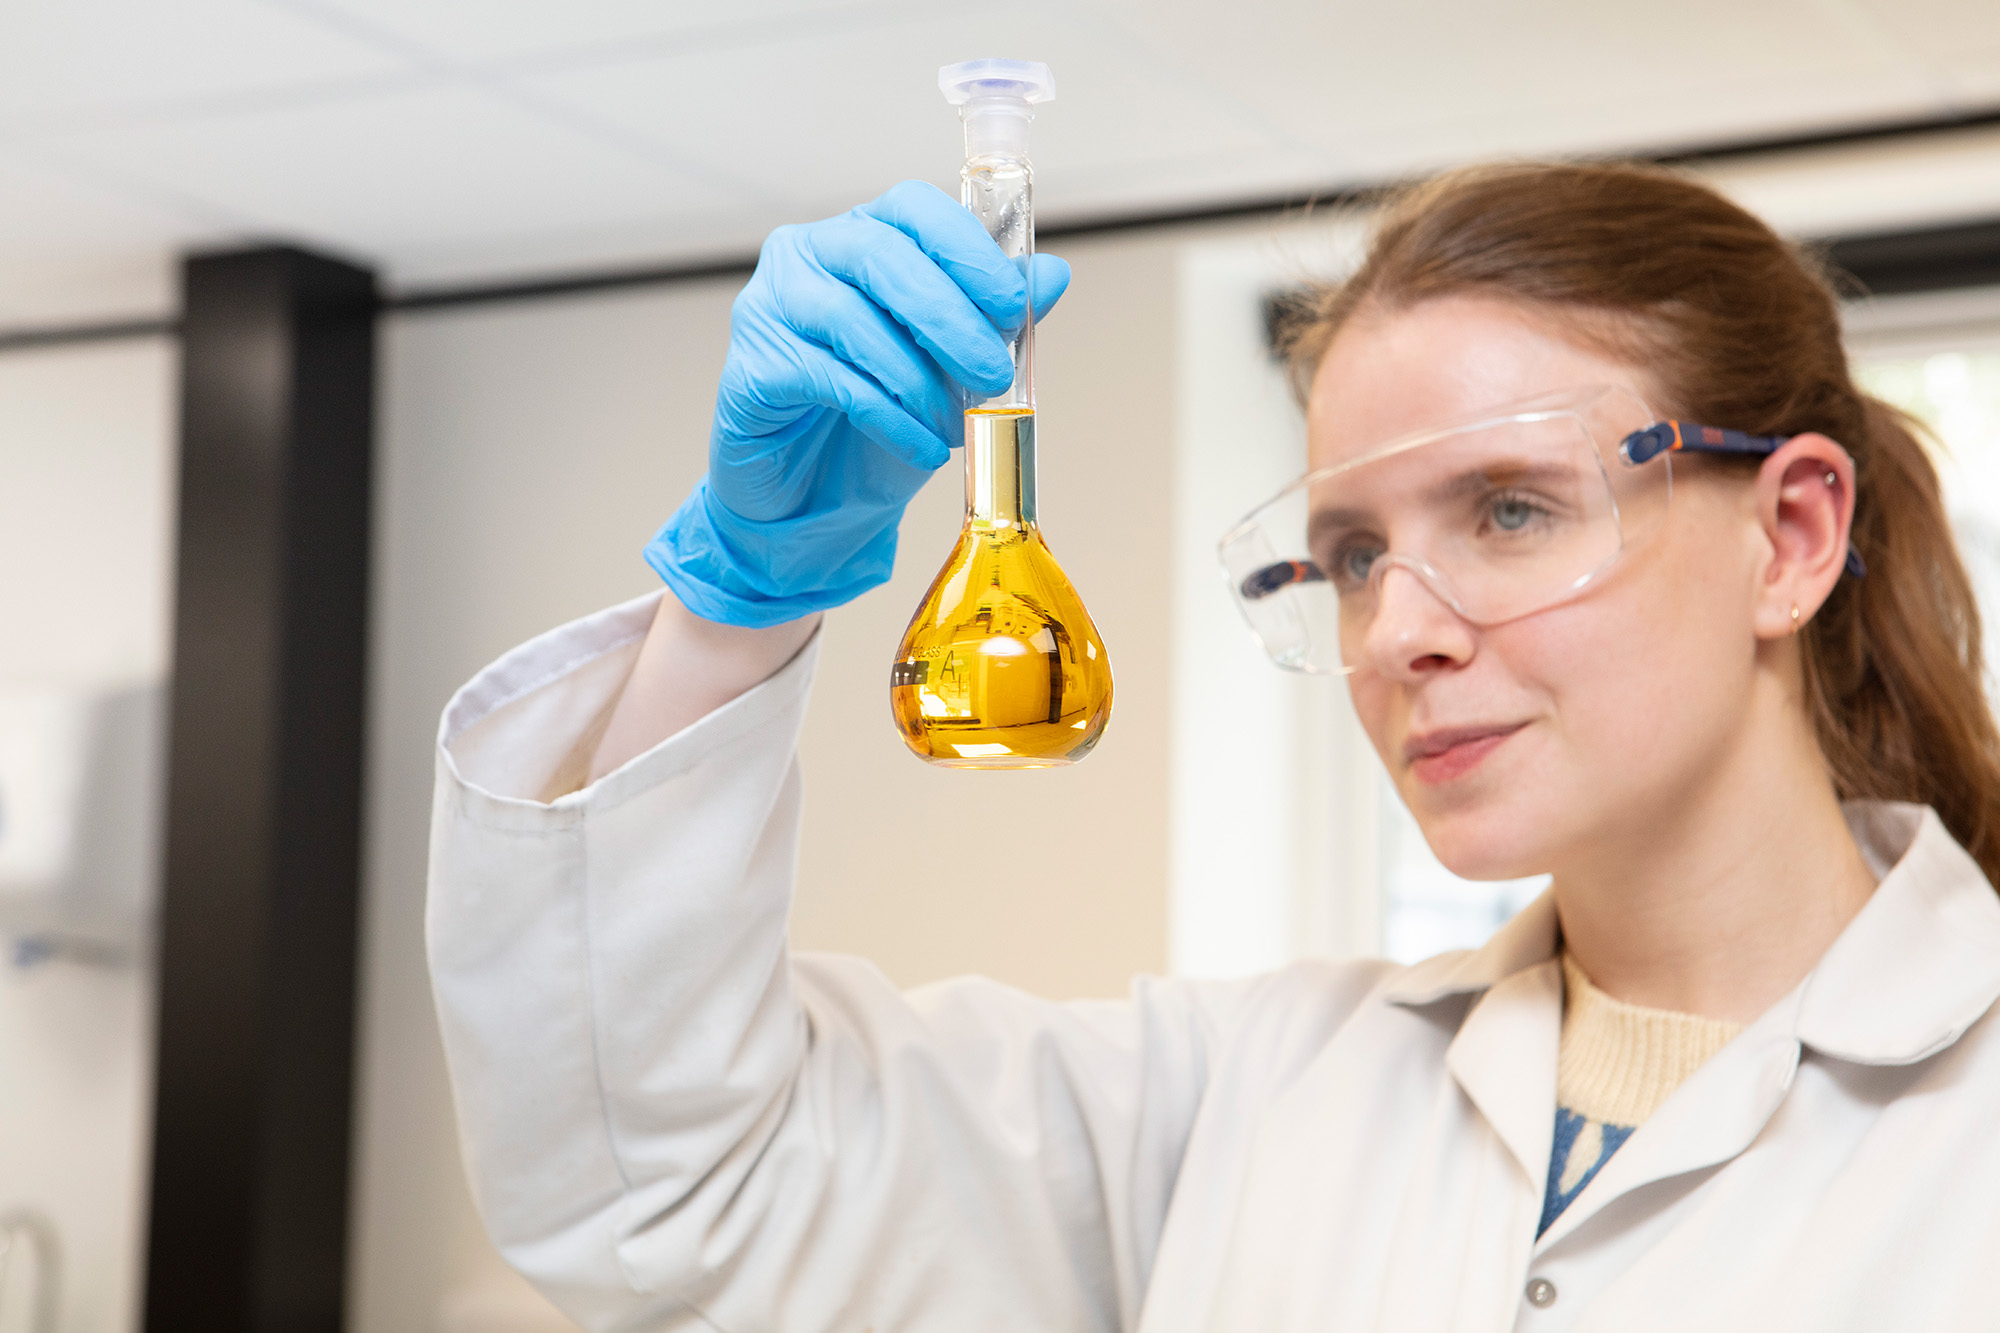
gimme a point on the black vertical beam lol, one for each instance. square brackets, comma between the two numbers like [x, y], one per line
[257, 950]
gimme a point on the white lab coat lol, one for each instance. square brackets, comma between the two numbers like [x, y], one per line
[664, 1112]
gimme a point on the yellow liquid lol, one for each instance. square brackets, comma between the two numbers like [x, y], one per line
[1001, 666]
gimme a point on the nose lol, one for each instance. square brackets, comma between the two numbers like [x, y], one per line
[1414, 632]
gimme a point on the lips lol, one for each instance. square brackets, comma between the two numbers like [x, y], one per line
[1447, 752]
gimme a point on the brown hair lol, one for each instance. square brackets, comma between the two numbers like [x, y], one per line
[1737, 328]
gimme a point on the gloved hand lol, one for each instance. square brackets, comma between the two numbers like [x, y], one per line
[837, 402]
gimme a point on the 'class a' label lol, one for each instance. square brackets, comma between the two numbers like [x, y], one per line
[928, 668]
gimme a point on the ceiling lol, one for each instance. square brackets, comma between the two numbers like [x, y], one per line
[458, 140]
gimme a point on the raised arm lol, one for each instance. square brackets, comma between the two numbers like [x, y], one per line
[672, 1123]
[848, 354]
[669, 1121]
[686, 669]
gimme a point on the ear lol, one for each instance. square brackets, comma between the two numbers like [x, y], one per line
[1805, 505]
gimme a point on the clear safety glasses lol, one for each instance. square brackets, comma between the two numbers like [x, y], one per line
[1497, 518]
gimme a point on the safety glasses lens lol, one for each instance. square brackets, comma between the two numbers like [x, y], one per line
[1496, 522]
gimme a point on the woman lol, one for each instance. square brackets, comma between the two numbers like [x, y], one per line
[1736, 1069]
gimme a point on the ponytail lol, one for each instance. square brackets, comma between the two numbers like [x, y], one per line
[1894, 670]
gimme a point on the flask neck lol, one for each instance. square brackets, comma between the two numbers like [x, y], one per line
[1000, 467]
[996, 126]
[998, 188]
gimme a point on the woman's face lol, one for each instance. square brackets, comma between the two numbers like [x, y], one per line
[1528, 746]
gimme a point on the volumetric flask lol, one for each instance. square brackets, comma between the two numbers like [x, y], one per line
[1001, 666]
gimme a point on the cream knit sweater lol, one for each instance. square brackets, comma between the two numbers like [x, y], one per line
[1618, 1062]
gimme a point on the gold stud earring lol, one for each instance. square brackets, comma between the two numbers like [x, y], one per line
[1795, 617]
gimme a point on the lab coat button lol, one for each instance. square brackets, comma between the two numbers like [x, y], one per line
[1541, 1293]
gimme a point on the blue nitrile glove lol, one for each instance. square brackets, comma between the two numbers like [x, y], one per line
[837, 402]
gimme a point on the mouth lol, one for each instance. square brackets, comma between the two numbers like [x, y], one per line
[1440, 756]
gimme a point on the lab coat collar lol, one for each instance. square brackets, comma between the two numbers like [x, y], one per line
[1511, 1028]
[1510, 1036]
[1710, 1119]
[1916, 967]
[1920, 963]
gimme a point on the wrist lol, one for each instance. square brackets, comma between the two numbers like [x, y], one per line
[688, 667]
[731, 658]
[754, 574]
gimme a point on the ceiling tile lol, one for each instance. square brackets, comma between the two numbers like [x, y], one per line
[1958, 41]
[1873, 186]
[376, 174]
[1343, 76]
[1134, 188]
[65, 60]
[1605, 126]
[455, 139]
[107, 285]
[830, 120]
[47, 212]
[489, 30]
[1975, 77]
[448, 262]
[70, 252]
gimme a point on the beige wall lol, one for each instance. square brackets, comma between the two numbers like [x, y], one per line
[527, 453]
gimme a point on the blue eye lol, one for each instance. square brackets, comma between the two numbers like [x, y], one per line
[1352, 562]
[1512, 513]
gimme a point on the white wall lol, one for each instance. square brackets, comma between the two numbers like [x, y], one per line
[86, 531]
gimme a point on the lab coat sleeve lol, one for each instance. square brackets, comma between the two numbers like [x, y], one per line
[671, 1121]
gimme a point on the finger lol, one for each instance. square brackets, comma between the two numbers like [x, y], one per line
[956, 242]
[882, 419]
[755, 467]
[819, 378]
[891, 271]
[857, 330]
[1051, 279]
